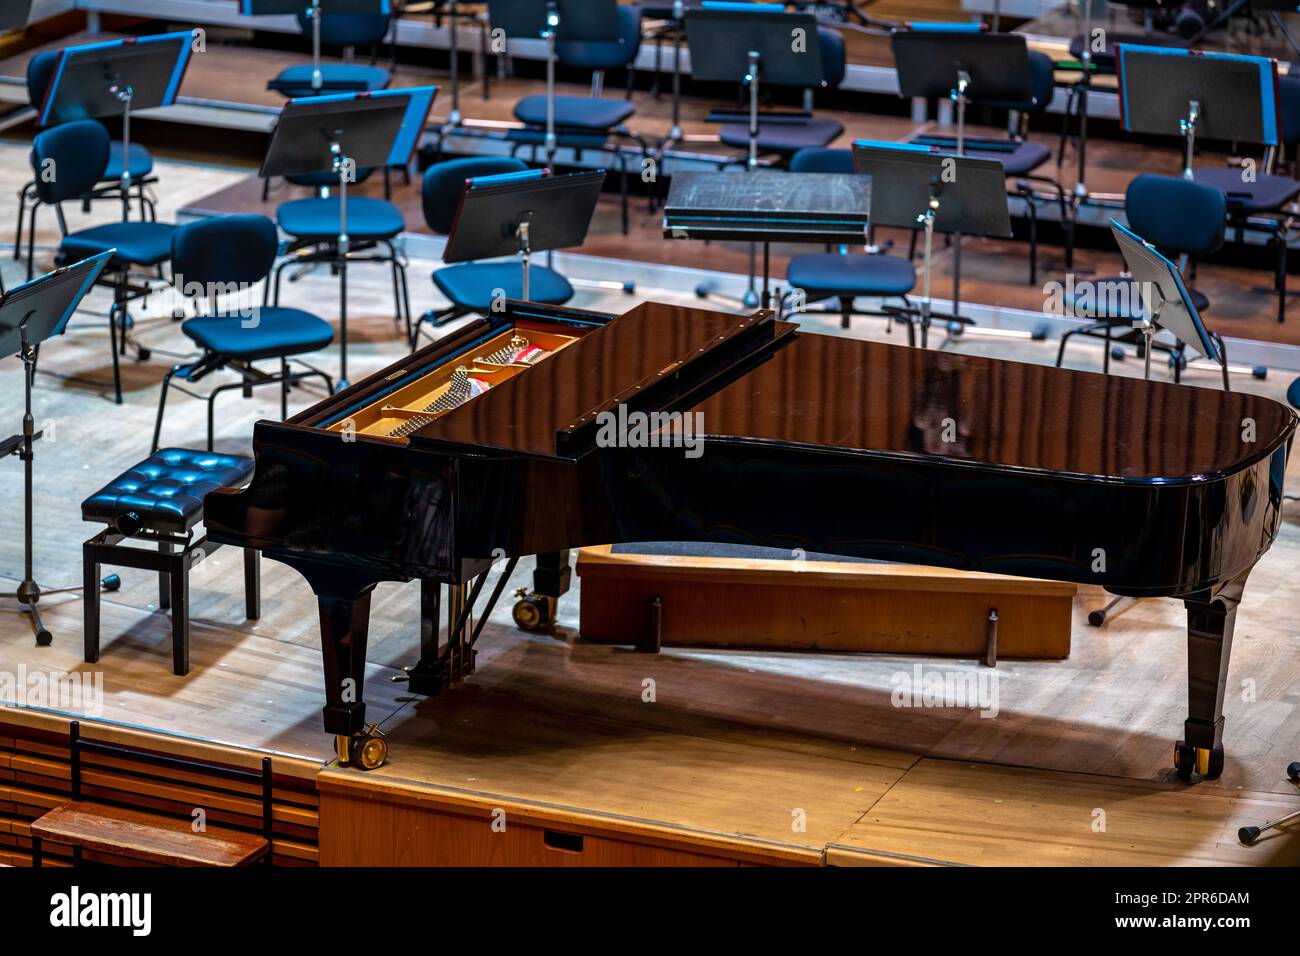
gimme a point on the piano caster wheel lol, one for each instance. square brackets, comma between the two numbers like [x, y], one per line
[366, 750]
[44, 638]
[532, 612]
[1207, 763]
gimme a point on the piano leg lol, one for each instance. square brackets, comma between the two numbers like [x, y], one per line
[344, 626]
[1210, 620]
[535, 609]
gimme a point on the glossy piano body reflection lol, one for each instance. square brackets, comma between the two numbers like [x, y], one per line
[828, 444]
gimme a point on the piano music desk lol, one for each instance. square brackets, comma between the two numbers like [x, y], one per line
[724, 599]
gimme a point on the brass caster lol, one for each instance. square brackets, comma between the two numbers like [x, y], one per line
[533, 612]
[1206, 763]
[366, 750]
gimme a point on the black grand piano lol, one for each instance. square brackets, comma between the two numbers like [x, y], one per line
[488, 445]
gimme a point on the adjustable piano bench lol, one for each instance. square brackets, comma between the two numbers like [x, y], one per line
[160, 501]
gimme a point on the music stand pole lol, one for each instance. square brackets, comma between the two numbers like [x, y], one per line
[29, 592]
[552, 27]
[343, 166]
[751, 80]
[927, 222]
[959, 97]
[123, 92]
[317, 78]
[454, 119]
[1187, 126]
[1080, 186]
[679, 16]
[525, 256]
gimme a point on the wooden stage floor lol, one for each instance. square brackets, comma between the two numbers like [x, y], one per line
[735, 742]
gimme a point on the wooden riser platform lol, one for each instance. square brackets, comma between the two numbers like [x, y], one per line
[740, 602]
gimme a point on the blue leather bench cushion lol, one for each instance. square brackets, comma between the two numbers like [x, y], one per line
[471, 285]
[166, 489]
[278, 332]
[782, 137]
[295, 82]
[141, 162]
[137, 243]
[1265, 194]
[857, 274]
[575, 112]
[319, 218]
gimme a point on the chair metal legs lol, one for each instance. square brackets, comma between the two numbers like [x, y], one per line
[250, 378]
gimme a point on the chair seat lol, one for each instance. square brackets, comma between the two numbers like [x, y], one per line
[472, 285]
[827, 273]
[137, 243]
[276, 333]
[1266, 194]
[141, 163]
[295, 82]
[318, 219]
[1020, 161]
[166, 490]
[1115, 300]
[783, 138]
[575, 112]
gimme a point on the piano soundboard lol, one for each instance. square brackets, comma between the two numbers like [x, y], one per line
[433, 394]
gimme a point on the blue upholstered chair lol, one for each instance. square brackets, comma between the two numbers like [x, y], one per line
[588, 122]
[1261, 204]
[40, 70]
[841, 275]
[787, 137]
[472, 286]
[347, 30]
[1182, 219]
[223, 256]
[374, 225]
[79, 151]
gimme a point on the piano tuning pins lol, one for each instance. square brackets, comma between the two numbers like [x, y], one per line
[508, 353]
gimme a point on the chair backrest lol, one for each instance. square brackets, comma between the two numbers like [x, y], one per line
[821, 159]
[445, 181]
[1042, 85]
[223, 250]
[40, 70]
[1288, 95]
[348, 29]
[602, 55]
[1176, 215]
[69, 160]
[831, 43]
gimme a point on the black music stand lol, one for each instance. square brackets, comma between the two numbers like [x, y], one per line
[340, 134]
[113, 78]
[750, 44]
[959, 65]
[30, 314]
[14, 15]
[314, 9]
[579, 21]
[522, 213]
[918, 186]
[1166, 303]
[1221, 96]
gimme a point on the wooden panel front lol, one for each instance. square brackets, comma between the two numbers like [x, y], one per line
[356, 831]
[822, 606]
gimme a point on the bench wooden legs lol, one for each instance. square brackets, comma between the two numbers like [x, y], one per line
[172, 562]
